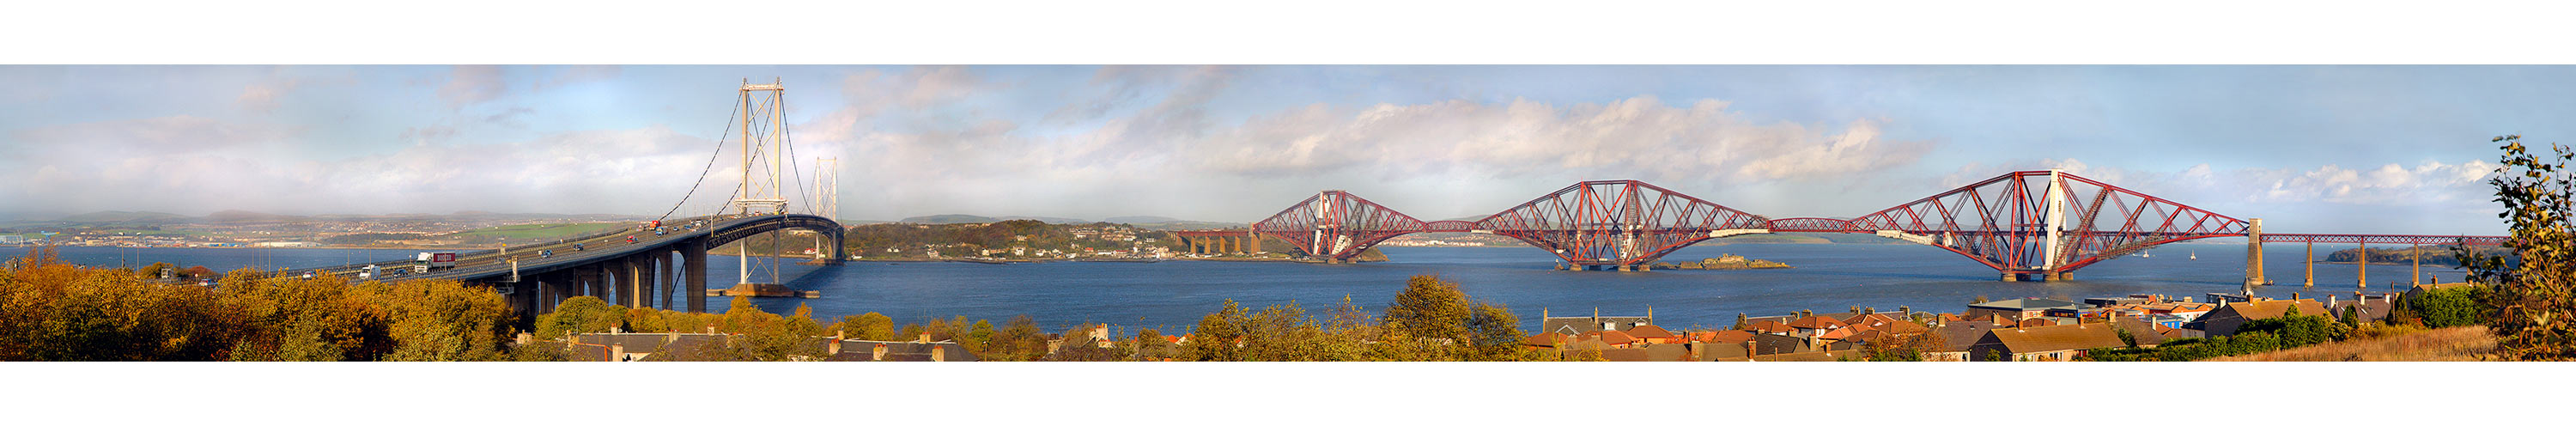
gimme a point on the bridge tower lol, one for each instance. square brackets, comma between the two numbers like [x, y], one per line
[761, 196]
[827, 198]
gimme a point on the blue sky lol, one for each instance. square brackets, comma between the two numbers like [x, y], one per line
[2383, 149]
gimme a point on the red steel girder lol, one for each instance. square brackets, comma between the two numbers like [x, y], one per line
[1617, 222]
[2005, 222]
[1338, 225]
[2416, 240]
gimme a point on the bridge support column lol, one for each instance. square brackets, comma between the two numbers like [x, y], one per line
[2363, 277]
[694, 258]
[2254, 253]
[662, 277]
[2416, 254]
[627, 289]
[594, 279]
[2011, 277]
[2311, 280]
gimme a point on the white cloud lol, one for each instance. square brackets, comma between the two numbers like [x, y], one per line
[472, 84]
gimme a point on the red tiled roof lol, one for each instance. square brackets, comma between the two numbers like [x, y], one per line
[1818, 321]
[1768, 326]
[1730, 337]
[1650, 331]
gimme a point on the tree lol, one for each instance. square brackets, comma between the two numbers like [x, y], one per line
[1429, 308]
[1213, 339]
[1495, 334]
[2533, 305]
[868, 326]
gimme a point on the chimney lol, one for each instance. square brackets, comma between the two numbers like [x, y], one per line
[616, 352]
[925, 338]
[671, 336]
[938, 353]
[2330, 301]
[2294, 295]
[711, 329]
[834, 347]
[878, 354]
[523, 338]
[1748, 348]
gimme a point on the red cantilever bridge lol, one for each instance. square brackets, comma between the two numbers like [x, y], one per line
[2040, 224]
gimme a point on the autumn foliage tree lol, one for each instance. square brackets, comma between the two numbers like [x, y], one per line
[2532, 307]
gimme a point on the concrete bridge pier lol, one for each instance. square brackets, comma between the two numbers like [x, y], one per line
[693, 254]
[2311, 280]
[594, 281]
[2363, 277]
[662, 276]
[2254, 253]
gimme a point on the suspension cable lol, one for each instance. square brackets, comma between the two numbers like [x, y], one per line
[732, 113]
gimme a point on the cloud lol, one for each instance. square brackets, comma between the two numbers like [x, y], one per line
[178, 134]
[1639, 137]
[2392, 184]
[472, 84]
[576, 74]
[196, 165]
[262, 96]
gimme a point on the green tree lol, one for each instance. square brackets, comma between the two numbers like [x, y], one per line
[2533, 304]
[1429, 308]
[1496, 334]
[868, 326]
[1214, 338]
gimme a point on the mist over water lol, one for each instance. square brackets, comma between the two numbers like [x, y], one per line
[1173, 295]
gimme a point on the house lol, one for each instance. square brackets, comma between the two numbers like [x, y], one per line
[1814, 324]
[1769, 327]
[2226, 319]
[1956, 337]
[1592, 324]
[2050, 343]
[1652, 334]
[2021, 309]
[2368, 308]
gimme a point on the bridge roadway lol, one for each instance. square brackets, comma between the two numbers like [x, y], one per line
[607, 266]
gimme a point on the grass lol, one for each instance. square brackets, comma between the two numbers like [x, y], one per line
[2471, 343]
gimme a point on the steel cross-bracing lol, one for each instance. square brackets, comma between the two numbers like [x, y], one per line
[1618, 223]
[1336, 225]
[2046, 222]
[2043, 224]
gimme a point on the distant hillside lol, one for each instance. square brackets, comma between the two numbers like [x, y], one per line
[948, 218]
[115, 216]
[968, 218]
[1048, 219]
[1189, 225]
[1140, 219]
[229, 216]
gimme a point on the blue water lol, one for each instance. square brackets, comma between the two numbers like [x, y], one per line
[1174, 294]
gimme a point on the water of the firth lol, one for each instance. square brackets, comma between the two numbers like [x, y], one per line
[1174, 294]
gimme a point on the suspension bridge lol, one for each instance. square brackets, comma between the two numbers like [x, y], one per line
[645, 265]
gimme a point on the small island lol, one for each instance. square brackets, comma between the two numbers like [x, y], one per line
[1725, 262]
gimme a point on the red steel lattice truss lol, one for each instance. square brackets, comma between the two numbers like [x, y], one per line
[2025, 222]
[1617, 222]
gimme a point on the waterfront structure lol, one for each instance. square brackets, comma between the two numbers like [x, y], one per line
[2022, 309]
[2027, 225]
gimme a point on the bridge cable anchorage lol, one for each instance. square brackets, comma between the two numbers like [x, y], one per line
[711, 165]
